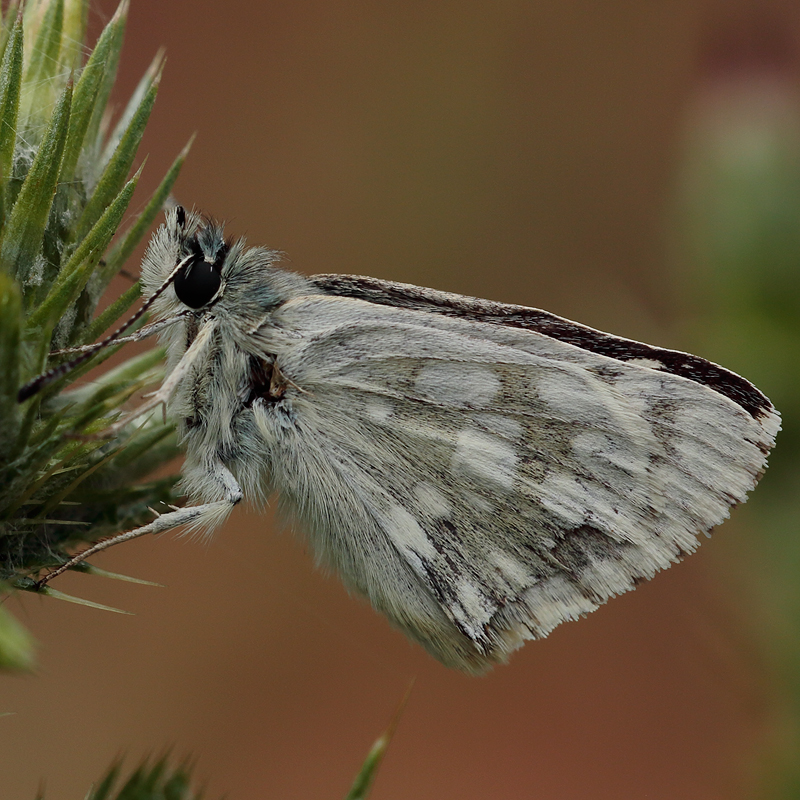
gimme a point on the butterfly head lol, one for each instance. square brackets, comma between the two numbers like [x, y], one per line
[191, 268]
[200, 249]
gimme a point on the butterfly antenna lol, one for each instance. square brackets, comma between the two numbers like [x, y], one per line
[46, 378]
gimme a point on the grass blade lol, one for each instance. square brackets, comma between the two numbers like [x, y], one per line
[369, 769]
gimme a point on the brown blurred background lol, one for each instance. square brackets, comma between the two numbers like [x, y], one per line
[526, 152]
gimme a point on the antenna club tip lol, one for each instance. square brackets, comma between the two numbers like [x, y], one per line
[27, 391]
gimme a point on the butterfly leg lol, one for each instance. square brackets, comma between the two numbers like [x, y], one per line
[205, 516]
[161, 397]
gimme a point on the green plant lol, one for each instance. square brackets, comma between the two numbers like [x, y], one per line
[64, 192]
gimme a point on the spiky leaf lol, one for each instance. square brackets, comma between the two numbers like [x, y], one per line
[16, 644]
[64, 189]
[24, 230]
[10, 82]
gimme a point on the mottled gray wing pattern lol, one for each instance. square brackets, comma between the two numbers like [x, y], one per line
[433, 301]
[481, 482]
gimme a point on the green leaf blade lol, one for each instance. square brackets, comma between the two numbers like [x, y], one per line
[73, 36]
[25, 226]
[11, 12]
[10, 330]
[48, 591]
[112, 313]
[87, 92]
[119, 165]
[10, 82]
[123, 250]
[90, 159]
[16, 645]
[76, 271]
[43, 66]
[152, 74]
[161, 781]
[64, 190]
[362, 785]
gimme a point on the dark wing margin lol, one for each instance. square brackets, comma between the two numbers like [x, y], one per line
[685, 365]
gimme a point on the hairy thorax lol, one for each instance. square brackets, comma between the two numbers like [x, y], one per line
[222, 408]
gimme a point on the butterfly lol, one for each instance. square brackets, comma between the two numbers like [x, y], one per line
[481, 472]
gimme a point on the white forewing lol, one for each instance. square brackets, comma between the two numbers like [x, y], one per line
[481, 472]
[482, 484]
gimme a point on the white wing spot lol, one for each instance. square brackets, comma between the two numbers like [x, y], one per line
[458, 385]
[431, 501]
[408, 535]
[379, 410]
[486, 458]
[513, 571]
[475, 609]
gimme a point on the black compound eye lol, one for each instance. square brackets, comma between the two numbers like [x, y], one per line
[197, 283]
